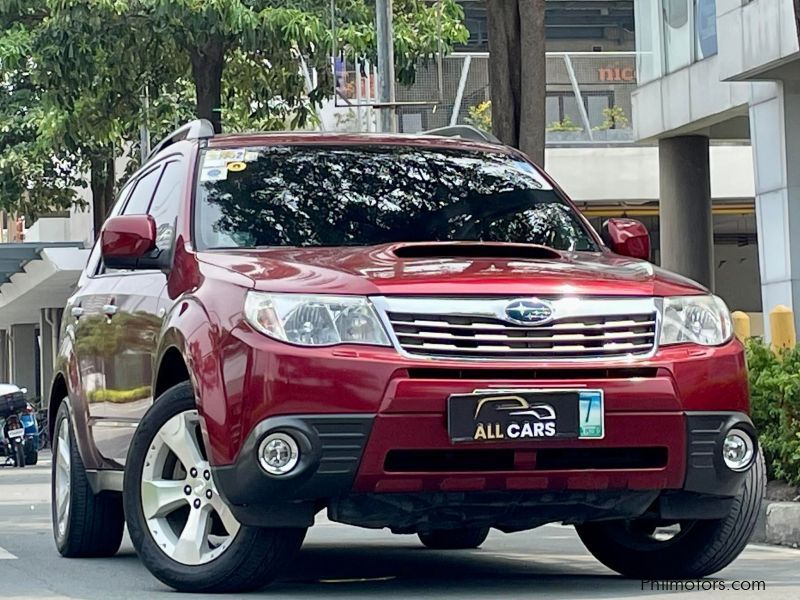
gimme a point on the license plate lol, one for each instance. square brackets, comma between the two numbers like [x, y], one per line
[525, 415]
[16, 433]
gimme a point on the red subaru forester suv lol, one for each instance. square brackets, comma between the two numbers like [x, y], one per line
[414, 333]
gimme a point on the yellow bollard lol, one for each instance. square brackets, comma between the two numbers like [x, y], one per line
[781, 326]
[741, 325]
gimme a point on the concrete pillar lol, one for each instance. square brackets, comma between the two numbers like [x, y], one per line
[776, 155]
[23, 357]
[5, 371]
[47, 347]
[687, 234]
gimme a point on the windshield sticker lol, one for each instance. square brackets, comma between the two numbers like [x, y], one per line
[235, 167]
[251, 155]
[213, 174]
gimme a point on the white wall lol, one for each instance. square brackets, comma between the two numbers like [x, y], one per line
[612, 174]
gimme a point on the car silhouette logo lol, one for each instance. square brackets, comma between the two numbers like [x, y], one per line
[517, 406]
[529, 312]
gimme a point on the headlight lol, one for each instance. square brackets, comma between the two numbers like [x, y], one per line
[315, 320]
[703, 320]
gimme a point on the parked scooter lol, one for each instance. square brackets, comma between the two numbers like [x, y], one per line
[19, 429]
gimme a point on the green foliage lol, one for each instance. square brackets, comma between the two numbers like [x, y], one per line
[565, 124]
[480, 115]
[120, 396]
[613, 118]
[775, 398]
[74, 75]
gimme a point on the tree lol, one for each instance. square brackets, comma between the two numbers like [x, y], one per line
[93, 61]
[517, 73]
[32, 179]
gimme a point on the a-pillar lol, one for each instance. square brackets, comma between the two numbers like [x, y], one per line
[776, 156]
[23, 357]
[686, 228]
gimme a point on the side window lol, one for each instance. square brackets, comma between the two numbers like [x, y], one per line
[166, 202]
[142, 194]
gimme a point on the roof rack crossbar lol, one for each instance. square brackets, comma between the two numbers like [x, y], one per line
[194, 130]
[467, 132]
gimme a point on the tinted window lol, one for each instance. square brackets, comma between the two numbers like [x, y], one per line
[164, 207]
[335, 196]
[142, 193]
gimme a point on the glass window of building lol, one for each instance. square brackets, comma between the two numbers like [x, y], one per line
[705, 28]
[678, 38]
[648, 40]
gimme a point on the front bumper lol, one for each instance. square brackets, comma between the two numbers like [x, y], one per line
[348, 460]
[374, 425]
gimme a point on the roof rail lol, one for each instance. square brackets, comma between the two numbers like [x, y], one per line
[467, 132]
[194, 130]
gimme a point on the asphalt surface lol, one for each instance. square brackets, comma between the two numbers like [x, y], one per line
[338, 561]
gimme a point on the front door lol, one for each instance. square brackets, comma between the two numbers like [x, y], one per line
[134, 319]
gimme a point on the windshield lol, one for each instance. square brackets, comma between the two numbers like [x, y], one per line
[368, 195]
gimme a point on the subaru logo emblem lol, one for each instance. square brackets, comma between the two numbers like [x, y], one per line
[529, 312]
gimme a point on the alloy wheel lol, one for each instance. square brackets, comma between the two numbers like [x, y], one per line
[185, 515]
[62, 477]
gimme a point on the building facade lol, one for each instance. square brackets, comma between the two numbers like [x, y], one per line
[723, 72]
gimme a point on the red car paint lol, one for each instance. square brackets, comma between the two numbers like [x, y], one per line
[242, 377]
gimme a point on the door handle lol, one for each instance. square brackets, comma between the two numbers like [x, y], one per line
[110, 310]
[76, 312]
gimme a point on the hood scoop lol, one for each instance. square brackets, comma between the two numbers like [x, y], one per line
[475, 250]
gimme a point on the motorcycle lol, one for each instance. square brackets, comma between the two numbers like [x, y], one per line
[19, 431]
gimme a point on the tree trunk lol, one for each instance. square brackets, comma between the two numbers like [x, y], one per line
[208, 63]
[517, 73]
[102, 185]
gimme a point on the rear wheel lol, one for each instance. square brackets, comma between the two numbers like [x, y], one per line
[85, 524]
[454, 539]
[19, 454]
[182, 529]
[648, 549]
[31, 454]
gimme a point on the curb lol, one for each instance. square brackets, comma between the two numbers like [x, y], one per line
[778, 523]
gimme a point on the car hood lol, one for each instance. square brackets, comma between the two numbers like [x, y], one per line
[458, 269]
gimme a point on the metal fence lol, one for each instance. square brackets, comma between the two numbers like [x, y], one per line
[588, 95]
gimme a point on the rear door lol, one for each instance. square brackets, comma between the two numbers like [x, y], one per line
[135, 315]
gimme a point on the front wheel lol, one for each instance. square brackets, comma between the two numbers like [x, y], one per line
[454, 539]
[647, 549]
[181, 527]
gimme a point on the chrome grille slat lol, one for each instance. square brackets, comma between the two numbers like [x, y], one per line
[509, 327]
[475, 328]
[569, 337]
[532, 351]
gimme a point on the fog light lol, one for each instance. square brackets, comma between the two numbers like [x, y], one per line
[278, 453]
[738, 450]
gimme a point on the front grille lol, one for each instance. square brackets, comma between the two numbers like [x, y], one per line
[468, 336]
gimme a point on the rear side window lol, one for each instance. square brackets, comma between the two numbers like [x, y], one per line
[142, 193]
[165, 204]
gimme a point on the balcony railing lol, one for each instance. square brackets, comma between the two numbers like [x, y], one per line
[588, 95]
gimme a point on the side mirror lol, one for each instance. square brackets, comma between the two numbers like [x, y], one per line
[126, 240]
[627, 237]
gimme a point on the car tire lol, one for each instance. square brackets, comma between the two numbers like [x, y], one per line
[93, 524]
[454, 539]
[246, 559]
[704, 548]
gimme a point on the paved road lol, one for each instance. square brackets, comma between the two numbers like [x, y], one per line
[345, 562]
